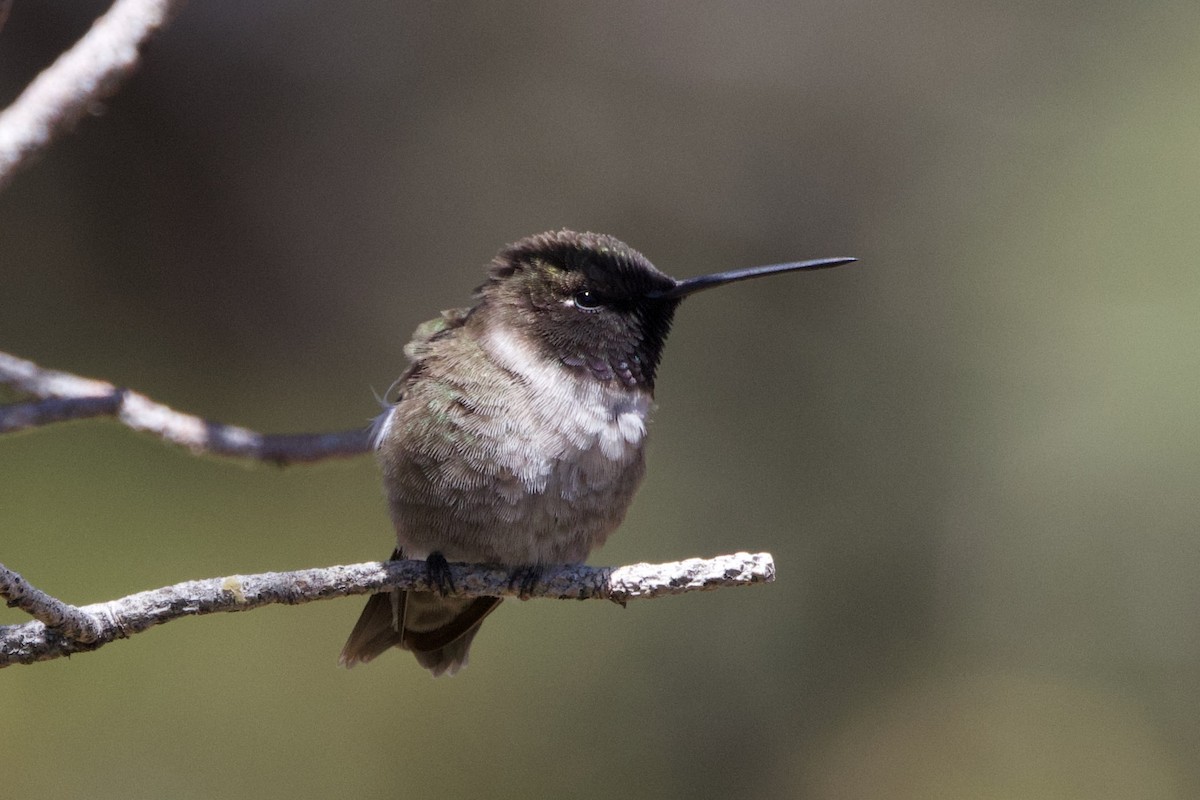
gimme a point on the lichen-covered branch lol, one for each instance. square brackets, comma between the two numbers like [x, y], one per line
[56, 632]
[62, 396]
[81, 77]
[50, 611]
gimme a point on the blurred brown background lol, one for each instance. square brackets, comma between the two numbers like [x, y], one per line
[973, 455]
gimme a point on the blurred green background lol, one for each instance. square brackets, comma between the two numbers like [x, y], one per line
[973, 455]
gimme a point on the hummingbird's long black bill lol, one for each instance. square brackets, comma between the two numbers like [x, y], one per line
[685, 287]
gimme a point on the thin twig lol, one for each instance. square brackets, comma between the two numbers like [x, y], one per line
[118, 619]
[83, 76]
[63, 396]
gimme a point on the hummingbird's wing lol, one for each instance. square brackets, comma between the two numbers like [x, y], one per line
[417, 349]
[430, 330]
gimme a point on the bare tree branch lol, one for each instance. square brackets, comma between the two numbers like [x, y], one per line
[57, 631]
[52, 612]
[63, 396]
[83, 76]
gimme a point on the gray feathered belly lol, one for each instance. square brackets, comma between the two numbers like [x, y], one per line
[541, 475]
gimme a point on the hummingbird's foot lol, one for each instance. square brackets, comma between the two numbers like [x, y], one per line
[438, 571]
[526, 578]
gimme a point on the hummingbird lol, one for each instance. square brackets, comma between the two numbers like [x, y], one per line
[517, 434]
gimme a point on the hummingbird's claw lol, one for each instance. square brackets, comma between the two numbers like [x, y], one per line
[526, 578]
[438, 573]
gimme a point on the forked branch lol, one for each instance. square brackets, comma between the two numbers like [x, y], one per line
[60, 629]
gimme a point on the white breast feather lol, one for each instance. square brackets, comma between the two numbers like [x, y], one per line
[588, 414]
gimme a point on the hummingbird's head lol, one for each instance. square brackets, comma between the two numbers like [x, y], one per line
[587, 300]
[594, 304]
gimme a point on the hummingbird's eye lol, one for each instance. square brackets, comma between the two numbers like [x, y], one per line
[586, 300]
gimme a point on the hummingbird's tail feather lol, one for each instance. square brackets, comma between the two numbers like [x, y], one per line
[452, 656]
[438, 630]
[376, 629]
